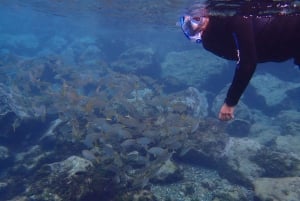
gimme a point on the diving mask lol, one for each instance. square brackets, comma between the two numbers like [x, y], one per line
[190, 27]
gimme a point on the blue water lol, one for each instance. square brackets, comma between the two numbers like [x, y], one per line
[87, 79]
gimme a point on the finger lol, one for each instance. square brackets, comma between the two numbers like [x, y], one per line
[225, 116]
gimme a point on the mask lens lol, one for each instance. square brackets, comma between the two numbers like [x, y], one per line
[197, 20]
[186, 26]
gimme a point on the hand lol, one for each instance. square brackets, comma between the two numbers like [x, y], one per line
[226, 112]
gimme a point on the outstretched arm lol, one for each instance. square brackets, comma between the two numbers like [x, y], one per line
[246, 51]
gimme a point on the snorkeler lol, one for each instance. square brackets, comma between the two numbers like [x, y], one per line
[247, 39]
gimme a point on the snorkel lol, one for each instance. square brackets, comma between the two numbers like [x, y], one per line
[188, 26]
[193, 23]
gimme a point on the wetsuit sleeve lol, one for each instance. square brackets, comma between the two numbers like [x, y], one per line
[245, 44]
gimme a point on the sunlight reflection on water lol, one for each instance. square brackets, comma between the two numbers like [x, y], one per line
[154, 12]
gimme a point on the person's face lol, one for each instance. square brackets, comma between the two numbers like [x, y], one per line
[193, 27]
[198, 23]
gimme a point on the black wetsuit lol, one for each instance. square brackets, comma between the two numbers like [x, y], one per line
[252, 40]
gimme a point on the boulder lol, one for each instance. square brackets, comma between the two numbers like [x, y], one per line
[289, 120]
[277, 189]
[288, 144]
[140, 60]
[264, 132]
[195, 101]
[22, 44]
[238, 128]
[274, 90]
[193, 67]
[71, 166]
[206, 146]
[277, 163]
[4, 153]
[84, 51]
[74, 178]
[167, 173]
[242, 111]
[238, 165]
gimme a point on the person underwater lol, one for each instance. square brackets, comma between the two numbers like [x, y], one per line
[247, 39]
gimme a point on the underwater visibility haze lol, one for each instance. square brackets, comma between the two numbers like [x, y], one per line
[107, 100]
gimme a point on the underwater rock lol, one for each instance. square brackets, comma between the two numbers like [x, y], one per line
[71, 166]
[234, 194]
[288, 120]
[72, 179]
[19, 198]
[48, 139]
[206, 146]
[17, 120]
[4, 153]
[57, 43]
[9, 106]
[264, 132]
[277, 189]
[195, 102]
[3, 186]
[142, 195]
[7, 58]
[288, 144]
[83, 51]
[274, 90]
[237, 164]
[169, 172]
[22, 44]
[6, 158]
[277, 163]
[238, 128]
[135, 159]
[241, 111]
[244, 160]
[139, 60]
[140, 95]
[90, 55]
[28, 161]
[193, 67]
